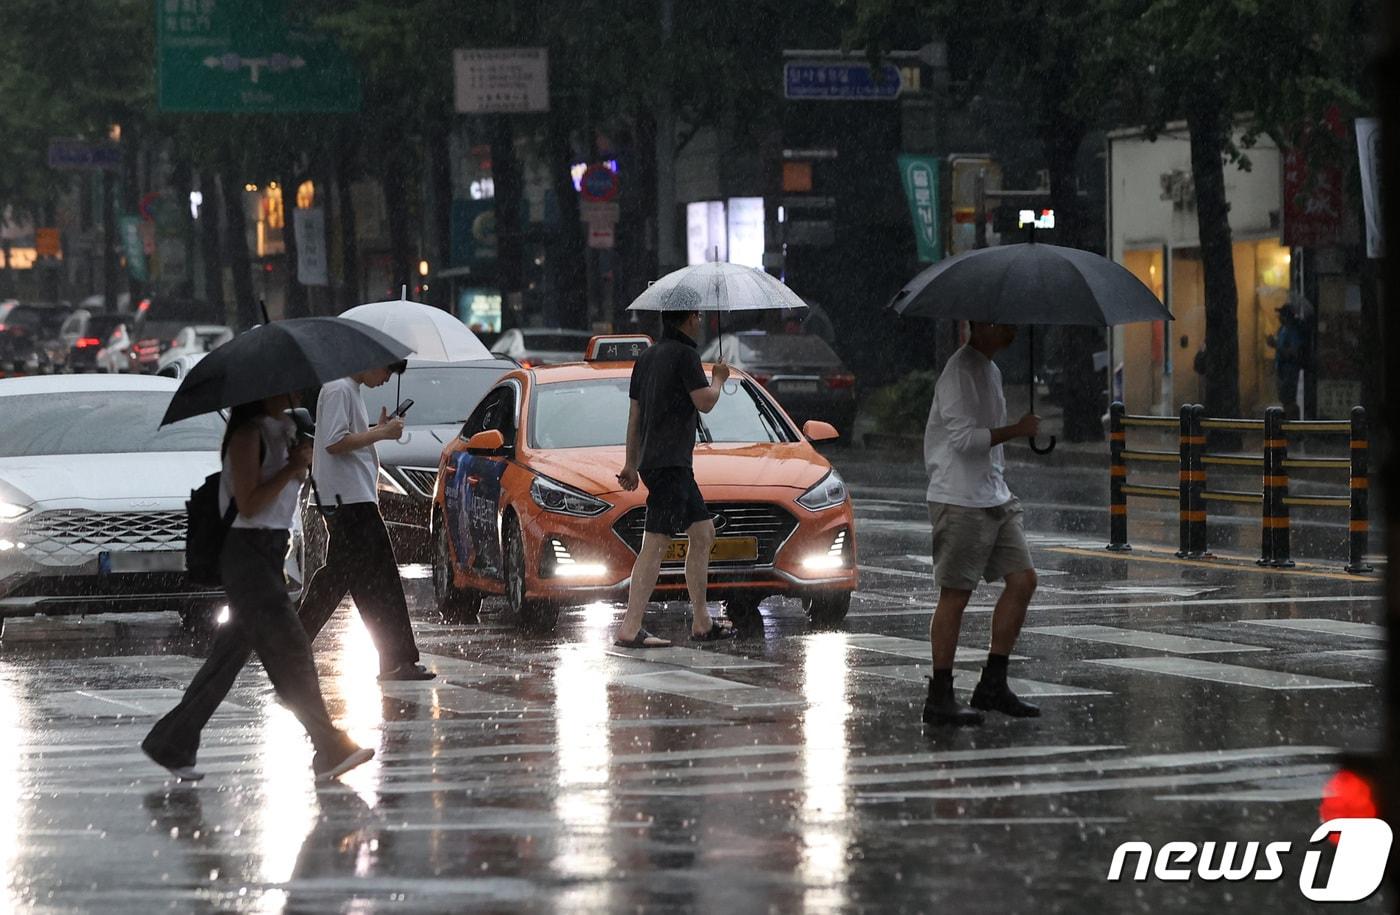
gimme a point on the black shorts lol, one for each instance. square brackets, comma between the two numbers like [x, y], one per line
[674, 502]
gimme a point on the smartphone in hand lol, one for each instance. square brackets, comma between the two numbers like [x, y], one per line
[403, 408]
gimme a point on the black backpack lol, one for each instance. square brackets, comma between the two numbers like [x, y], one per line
[205, 530]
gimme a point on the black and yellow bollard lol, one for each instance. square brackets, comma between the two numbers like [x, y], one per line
[1275, 513]
[1273, 437]
[1195, 483]
[1360, 522]
[1184, 438]
[1117, 478]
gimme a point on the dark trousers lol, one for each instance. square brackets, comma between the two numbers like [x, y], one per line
[261, 619]
[360, 560]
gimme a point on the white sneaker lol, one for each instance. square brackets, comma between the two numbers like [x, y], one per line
[356, 758]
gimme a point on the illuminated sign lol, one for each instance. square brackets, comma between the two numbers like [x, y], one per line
[577, 170]
[1045, 219]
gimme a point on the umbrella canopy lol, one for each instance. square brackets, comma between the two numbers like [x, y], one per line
[717, 287]
[1030, 284]
[278, 358]
[433, 334]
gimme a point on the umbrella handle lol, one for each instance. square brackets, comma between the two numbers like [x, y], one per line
[1038, 449]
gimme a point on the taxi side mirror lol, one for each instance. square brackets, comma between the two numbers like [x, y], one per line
[817, 431]
[488, 442]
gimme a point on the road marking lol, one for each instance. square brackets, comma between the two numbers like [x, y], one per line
[180, 668]
[1240, 565]
[908, 648]
[1327, 627]
[918, 673]
[1364, 654]
[692, 685]
[1149, 641]
[460, 699]
[692, 658]
[1231, 674]
[122, 703]
[1141, 605]
[461, 669]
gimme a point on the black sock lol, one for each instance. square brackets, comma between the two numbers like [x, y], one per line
[997, 663]
[941, 679]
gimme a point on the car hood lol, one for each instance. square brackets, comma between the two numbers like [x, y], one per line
[421, 446]
[793, 465]
[106, 477]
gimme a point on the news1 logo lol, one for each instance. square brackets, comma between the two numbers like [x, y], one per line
[1358, 863]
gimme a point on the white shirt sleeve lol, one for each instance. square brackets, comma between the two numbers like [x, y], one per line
[333, 414]
[958, 403]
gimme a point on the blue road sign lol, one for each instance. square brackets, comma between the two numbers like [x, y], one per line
[840, 81]
[84, 155]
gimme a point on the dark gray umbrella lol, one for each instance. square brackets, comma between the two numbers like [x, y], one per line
[279, 358]
[1030, 284]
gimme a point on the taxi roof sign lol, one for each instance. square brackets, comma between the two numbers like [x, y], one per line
[616, 347]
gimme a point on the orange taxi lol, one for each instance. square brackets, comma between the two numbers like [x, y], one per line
[527, 504]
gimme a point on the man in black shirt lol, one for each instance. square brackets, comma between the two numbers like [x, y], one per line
[669, 392]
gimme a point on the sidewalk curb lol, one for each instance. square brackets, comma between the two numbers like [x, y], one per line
[1085, 454]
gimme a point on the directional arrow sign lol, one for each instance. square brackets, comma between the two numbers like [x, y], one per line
[840, 81]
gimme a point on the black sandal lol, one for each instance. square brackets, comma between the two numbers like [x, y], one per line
[640, 641]
[717, 633]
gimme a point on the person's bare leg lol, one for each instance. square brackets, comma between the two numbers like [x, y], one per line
[697, 572]
[1010, 612]
[645, 571]
[943, 629]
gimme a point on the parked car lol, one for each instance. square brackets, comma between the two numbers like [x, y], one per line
[25, 330]
[180, 366]
[192, 340]
[444, 395]
[800, 370]
[542, 346]
[158, 322]
[527, 504]
[74, 347]
[92, 497]
[98, 302]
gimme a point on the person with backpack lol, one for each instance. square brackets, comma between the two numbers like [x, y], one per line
[259, 490]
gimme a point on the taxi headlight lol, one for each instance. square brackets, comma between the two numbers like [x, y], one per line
[555, 497]
[829, 491]
[9, 511]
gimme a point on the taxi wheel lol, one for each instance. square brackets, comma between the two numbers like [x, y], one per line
[827, 609]
[454, 604]
[534, 615]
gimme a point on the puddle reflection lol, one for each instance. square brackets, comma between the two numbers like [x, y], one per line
[825, 808]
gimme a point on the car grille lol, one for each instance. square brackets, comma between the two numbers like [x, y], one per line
[769, 523]
[422, 479]
[71, 533]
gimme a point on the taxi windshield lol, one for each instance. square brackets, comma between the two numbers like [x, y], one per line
[592, 414]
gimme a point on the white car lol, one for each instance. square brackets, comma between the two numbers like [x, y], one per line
[178, 367]
[194, 340]
[92, 497]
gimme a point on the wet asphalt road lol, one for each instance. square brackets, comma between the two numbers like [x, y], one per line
[784, 772]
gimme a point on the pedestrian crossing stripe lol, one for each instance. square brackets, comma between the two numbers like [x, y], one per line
[1143, 639]
[1229, 674]
[1326, 627]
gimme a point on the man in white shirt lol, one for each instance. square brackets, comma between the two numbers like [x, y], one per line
[359, 558]
[977, 532]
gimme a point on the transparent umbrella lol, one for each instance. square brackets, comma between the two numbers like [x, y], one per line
[718, 287]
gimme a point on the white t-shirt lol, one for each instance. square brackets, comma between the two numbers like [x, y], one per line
[352, 475]
[278, 515]
[968, 402]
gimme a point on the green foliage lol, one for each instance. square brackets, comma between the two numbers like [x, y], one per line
[902, 408]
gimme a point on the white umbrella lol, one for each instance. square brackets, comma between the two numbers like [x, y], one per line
[432, 334]
[717, 287]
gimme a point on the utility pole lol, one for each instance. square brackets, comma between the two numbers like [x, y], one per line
[666, 256]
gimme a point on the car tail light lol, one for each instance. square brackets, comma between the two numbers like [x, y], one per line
[85, 342]
[174, 342]
[840, 382]
[145, 304]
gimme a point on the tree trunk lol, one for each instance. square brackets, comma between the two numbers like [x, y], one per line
[570, 271]
[510, 236]
[209, 243]
[236, 242]
[1080, 394]
[440, 186]
[395, 186]
[298, 304]
[1222, 382]
[349, 245]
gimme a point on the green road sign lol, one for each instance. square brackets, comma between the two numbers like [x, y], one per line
[133, 246]
[920, 177]
[249, 56]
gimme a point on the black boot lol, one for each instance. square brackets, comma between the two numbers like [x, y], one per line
[994, 695]
[941, 707]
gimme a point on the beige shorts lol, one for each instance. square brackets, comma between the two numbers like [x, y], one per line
[970, 544]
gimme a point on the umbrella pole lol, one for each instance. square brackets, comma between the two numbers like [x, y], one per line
[1031, 365]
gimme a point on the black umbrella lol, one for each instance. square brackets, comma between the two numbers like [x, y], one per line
[1030, 284]
[278, 358]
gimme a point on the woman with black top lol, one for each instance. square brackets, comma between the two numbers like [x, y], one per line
[263, 471]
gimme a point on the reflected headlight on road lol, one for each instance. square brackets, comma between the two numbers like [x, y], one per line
[389, 484]
[556, 497]
[10, 511]
[830, 491]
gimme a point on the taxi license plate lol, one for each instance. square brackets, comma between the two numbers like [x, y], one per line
[726, 549]
[799, 387]
[144, 561]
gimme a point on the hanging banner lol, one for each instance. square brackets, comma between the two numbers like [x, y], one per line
[133, 246]
[309, 223]
[1368, 145]
[920, 177]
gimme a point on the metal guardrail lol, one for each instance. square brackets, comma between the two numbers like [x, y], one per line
[1192, 493]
